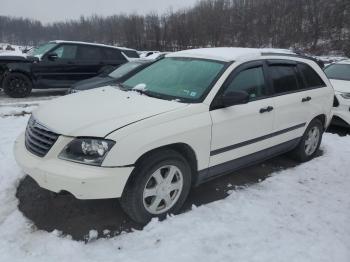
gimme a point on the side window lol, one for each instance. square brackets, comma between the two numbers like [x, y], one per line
[284, 78]
[113, 54]
[89, 53]
[131, 53]
[250, 80]
[66, 51]
[312, 79]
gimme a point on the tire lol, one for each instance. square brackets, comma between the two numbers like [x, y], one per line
[140, 199]
[303, 152]
[17, 85]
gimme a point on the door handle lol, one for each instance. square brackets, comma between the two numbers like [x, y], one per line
[266, 109]
[306, 99]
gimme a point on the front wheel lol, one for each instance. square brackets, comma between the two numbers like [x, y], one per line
[17, 85]
[310, 142]
[159, 186]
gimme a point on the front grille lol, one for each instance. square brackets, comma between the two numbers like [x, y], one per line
[39, 139]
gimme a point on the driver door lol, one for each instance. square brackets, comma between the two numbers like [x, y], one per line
[61, 71]
[241, 130]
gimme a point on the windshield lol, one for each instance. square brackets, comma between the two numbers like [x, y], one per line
[338, 71]
[41, 49]
[124, 69]
[186, 79]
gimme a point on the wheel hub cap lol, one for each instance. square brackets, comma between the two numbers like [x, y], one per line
[163, 189]
[312, 140]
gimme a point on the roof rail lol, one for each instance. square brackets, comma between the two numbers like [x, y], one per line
[320, 63]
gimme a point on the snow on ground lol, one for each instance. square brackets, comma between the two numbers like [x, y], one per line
[299, 214]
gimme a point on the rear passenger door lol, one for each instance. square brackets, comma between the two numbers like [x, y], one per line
[90, 60]
[291, 108]
[317, 95]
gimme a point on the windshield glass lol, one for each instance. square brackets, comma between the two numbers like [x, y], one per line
[186, 79]
[338, 71]
[124, 69]
[41, 49]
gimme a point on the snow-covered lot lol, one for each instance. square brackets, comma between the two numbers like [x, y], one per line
[298, 214]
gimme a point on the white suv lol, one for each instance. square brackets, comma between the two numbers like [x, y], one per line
[183, 120]
[339, 75]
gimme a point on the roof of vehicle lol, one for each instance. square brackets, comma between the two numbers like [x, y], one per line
[94, 44]
[228, 54]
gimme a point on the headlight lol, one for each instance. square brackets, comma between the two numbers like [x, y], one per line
[345, 95]
[90, 151]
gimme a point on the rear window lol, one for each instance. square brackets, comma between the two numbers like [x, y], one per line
[131, 53]
[284, 78]
[338, 71]
[312, 79]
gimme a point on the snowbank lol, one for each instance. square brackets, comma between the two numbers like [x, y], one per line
[299, 214]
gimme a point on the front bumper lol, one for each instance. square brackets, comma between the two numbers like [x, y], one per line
[83, 181]
[342, 111]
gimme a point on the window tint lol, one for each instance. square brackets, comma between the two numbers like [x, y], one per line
[66, 51]
[89, 53]
[284, 78]
[250, 80]
[338, 71]
[131, 53]
[124, 69]
[113, 54]
[312, 79]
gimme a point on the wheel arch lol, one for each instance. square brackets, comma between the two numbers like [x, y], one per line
[323, 119]
[183, 149]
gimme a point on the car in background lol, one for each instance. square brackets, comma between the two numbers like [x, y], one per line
[339, 75]
[58, 64]
[183, 120]
[144, 54]
[109, 77]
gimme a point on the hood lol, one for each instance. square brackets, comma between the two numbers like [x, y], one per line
[94, 82]
[98, 112]
[342, 86]
[12, 58]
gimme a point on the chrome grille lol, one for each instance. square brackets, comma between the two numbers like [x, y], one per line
[39, 139]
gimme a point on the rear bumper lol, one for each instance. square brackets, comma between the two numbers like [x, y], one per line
[83, 181]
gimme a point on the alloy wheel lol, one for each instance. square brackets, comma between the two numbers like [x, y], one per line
[312, 140]
[163, 189]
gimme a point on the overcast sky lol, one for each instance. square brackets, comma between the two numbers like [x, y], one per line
[59, 10]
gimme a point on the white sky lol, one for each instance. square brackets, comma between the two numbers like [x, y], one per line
[59, 10]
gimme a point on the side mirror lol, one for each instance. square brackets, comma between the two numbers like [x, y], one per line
[52, 56]
[235, 98]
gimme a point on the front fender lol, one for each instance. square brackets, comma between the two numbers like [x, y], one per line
[25, 68]
[190, 126]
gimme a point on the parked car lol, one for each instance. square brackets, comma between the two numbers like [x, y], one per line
[339, 75]
[185, 119]
[58, 64]
[109, 77]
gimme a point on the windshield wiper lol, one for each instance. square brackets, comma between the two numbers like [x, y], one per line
[143, 92]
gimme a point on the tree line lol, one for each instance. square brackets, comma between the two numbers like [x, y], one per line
[317, 26]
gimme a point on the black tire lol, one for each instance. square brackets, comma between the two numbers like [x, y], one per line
[132, 200]
[17, 85]
[300, 152]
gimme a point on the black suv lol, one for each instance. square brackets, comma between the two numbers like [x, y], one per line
[58, 64]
